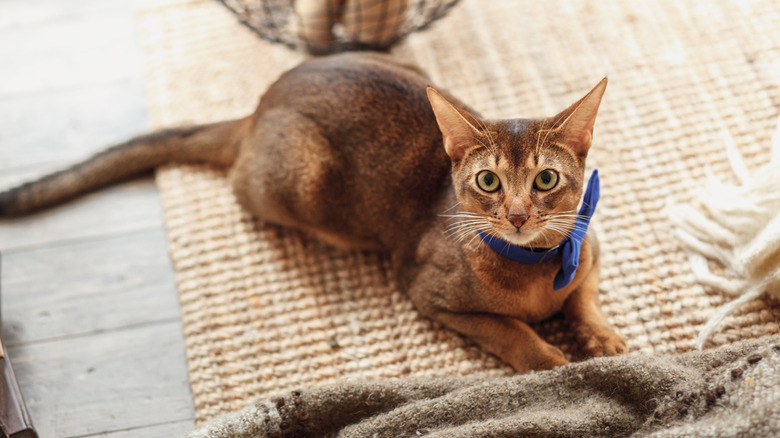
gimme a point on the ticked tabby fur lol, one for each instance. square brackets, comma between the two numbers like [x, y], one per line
[356, 150]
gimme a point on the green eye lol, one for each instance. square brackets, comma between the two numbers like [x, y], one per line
[488, 181]
[546, 180]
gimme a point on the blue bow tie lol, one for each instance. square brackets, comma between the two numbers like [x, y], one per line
[569, 248]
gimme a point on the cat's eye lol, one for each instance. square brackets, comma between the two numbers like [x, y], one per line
[546, 180]
[488, 181]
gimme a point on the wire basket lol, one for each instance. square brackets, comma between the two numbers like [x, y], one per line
[329, 26]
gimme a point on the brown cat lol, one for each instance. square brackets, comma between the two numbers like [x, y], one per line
[358, 151]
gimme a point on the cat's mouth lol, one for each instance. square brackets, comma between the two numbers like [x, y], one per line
[528, 237]
[519, 236]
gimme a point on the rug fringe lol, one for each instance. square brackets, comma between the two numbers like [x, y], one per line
[737, 226]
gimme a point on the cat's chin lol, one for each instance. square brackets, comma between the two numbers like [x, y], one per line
[527, 239]
[520, 239]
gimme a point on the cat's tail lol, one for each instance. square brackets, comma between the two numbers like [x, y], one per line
[216, 143]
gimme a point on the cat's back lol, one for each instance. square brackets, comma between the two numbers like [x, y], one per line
[349, 93]
[353, 150]
[372, 75]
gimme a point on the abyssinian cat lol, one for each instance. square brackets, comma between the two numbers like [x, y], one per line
[357, 150]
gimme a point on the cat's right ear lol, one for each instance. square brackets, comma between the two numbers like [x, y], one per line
[456, 125]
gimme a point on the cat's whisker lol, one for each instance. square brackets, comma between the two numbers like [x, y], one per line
[540, 144]
[461, 225]
[567, 215]
[460, 222]
[456, 204]
[559, 225]
[472, 234]
[457, 227]
[458, 218]
[456, 232]
[566, 221]
[466, 232]
[571, 218]
[564, 212]
[562, 221]
[559, 233]
[490, 147]
[543, 234]
[480, 226]
[568, 224]
[483, 129]
[549, 235]
[562, 231]
[459, 230]
[538, 140]
[554, 127]
[567, 227]
[471, 242]
[465, 214]
[491, 142]
[463, 222]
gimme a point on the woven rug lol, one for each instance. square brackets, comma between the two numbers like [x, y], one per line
[266, 309]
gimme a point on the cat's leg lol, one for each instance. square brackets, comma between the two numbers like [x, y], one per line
[506, 337]
[593, 332]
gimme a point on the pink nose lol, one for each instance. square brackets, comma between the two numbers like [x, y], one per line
[517, 219]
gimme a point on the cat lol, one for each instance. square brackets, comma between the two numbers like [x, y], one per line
[359, 151]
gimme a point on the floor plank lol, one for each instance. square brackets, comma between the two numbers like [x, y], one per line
[87, 286]
[114, 381]
[65, 125]
[127, 207]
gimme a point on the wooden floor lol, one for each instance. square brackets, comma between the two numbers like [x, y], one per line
[89, 306]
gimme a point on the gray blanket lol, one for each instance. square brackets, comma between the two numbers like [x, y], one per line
[731, 391]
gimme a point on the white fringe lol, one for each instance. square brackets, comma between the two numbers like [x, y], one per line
[737, 226]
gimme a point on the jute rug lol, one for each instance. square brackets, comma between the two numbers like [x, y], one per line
[266, 310]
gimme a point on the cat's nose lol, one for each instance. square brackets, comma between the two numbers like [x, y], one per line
[517, 219]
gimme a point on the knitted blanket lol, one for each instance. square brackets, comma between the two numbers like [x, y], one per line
[267, 311]
[728, 392]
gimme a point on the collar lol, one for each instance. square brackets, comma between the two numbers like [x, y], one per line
[569, 248]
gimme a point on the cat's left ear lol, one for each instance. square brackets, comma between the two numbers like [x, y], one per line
[457, 126]
[575, 123]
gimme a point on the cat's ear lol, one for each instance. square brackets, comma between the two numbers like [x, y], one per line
[458, 127]
[575, 123]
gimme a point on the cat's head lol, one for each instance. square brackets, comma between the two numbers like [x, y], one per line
[518, 179]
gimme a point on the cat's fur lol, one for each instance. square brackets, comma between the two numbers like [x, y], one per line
[348, 149]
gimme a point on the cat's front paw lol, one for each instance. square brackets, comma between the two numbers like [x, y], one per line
[538, 356]
[548, 358]
[596, 341]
